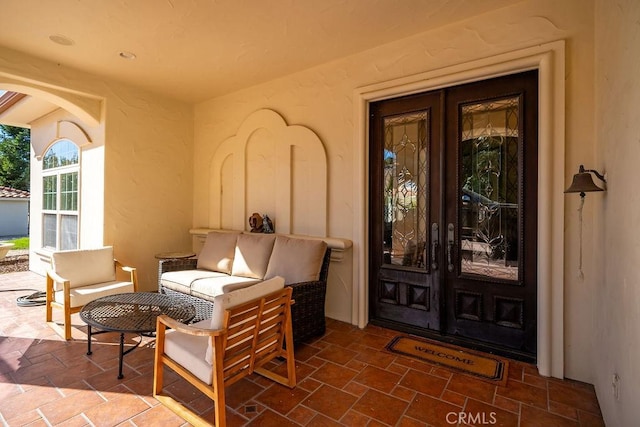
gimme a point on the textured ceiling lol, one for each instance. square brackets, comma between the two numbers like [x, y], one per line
[194, 50]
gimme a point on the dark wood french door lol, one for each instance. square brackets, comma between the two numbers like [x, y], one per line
[453, 214]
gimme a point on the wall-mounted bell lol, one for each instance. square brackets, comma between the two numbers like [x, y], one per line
[583, 182]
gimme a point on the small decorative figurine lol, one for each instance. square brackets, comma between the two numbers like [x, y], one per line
[256, 223]
[267, 225]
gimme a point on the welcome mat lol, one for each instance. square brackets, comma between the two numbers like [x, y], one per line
[480, 365]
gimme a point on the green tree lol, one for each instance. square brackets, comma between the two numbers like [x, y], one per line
[14, 157]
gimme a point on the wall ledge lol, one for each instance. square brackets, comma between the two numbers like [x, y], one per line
[337, 245]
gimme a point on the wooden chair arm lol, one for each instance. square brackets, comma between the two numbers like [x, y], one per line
[187, 329]
[124, 267]
[55, 277]
[132, 271]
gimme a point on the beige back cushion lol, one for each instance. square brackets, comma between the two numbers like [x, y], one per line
[252, 255]
[237, 297]
[218, 251]
[297, 260]
[85, 267]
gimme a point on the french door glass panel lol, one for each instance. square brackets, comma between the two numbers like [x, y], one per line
[405, 189]
[489, 237]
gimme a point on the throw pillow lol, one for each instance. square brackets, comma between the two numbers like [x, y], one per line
[297, 260]
[218, 251]
[252, 255]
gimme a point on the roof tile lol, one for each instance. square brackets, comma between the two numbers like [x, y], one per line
[12, 193]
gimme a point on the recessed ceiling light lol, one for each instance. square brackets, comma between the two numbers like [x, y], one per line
[61, 40]
[127, 55]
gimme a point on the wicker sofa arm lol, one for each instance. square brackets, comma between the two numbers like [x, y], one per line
[166, 265]
[178, 264]
[307, 314]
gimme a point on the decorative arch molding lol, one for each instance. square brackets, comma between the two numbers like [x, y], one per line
[70, 130]
[271, 168]
[67, 130]
[549, 60]
[86, 107]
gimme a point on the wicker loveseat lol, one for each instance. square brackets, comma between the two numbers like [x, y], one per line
[234, 260]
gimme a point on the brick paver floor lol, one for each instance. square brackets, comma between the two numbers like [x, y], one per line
[344, 378]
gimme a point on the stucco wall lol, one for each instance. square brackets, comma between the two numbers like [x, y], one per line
[322, 99]
[616, 300]
[148, 179]
[145, 203]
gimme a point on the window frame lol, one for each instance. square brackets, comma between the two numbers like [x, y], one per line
[60, 195]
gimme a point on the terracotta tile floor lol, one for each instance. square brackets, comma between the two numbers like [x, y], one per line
[345, 378]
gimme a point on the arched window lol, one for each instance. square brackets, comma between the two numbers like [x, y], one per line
[60, 196]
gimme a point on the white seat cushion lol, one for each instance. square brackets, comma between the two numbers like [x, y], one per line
[237, 297]
[81, 296]
[189, 351]
[218, 251]
[84, 267]
[181, 281]
[252, 255]
[209, 288]
[297, 260]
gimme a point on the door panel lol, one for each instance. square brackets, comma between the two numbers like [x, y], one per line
[452, 252]
[406, 288]
[491, 157]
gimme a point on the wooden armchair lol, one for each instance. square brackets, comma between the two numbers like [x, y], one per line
[77, 277]
[249, 328]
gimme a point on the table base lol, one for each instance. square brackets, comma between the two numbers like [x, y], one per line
[122, 351]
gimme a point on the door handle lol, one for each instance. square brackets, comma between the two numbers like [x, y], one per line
[435, 241]
[450, 243]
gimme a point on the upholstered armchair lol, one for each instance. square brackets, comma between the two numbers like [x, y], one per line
[249, 328]
[77, 277]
